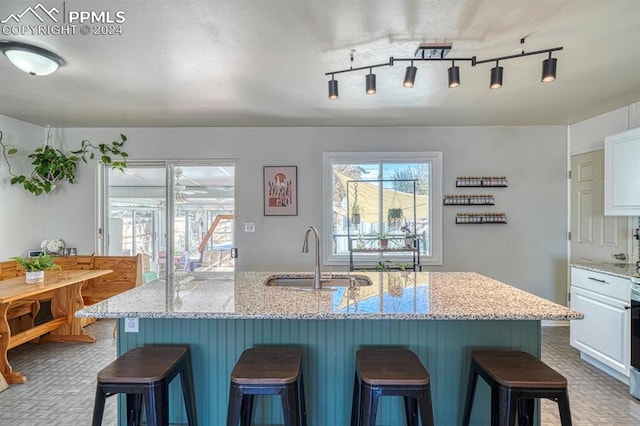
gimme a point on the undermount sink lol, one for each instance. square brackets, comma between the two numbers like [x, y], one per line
[306, 282]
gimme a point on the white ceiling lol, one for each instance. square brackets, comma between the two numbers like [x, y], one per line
[262, 63]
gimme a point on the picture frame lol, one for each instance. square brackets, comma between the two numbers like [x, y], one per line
[280, 186]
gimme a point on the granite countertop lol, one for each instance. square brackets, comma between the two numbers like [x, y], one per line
[392, 295]
[622, 270]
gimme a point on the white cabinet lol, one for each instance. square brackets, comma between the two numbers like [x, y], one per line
[622, 174]
[603, 336]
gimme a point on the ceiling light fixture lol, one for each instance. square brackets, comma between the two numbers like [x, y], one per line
[439, 52]
[410, 76]
[496, 77]
[454, 75]
[370, 81]
[333, 88]
[31, 59]
[549, 69]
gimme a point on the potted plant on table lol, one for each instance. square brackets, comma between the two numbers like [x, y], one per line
[384, 241]
[35, 266]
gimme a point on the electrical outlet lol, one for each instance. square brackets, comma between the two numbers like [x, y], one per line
[131, 325]
[249, 227]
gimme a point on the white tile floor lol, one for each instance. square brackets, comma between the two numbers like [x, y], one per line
[61, 384]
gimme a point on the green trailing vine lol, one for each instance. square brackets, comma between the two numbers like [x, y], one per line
[51, 165]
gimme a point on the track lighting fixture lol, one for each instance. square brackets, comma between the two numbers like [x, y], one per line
[31, 59]
[333, 88]
[410, 76]
[454, 75]
[371, 83]
[496, 77]
[438, 52]
[549, 69]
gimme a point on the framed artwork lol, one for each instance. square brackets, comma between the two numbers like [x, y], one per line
[280, 190]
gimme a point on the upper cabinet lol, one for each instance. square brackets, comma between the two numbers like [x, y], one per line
[622, 174]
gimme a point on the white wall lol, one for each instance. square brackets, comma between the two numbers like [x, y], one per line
[588, 135]
[529, 252]
[22, 216]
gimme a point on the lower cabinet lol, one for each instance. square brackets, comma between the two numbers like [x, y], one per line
[603, 336]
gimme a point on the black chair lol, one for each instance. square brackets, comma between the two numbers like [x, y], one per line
[144, 373]
[390, 372]
[516, 379]
[269, 370]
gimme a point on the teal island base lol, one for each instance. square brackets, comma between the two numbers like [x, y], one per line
[329, 346]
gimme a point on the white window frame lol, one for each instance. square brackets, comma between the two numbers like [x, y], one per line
[433, 158]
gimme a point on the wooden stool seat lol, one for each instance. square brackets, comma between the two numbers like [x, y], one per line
[145, 373]
[516, 378]
[268, 366]
[269, 370]
[390, 372]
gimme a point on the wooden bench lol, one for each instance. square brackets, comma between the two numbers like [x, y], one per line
[127, 274]
[22, 313]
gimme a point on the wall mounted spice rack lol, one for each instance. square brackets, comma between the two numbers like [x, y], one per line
[481, 181]
[469, 200]
[479, 218]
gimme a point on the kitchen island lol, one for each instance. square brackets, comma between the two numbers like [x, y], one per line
[442, 317]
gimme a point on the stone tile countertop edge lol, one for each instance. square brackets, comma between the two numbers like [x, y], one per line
[621, 270]
[392, 296]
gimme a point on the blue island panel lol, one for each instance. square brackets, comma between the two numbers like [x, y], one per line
[444, 347]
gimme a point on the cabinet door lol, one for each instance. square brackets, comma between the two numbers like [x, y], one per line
[622, 174]
[604, 332]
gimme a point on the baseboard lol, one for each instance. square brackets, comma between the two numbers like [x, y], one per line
[555, 323]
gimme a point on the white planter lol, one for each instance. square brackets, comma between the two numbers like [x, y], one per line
[35, 277]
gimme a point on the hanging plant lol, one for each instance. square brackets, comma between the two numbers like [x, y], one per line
[51, 165]
[355, 214]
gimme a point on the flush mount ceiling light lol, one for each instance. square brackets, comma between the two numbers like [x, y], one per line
[31, 59]
[439, 52]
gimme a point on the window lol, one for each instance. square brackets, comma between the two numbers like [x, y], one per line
[389, 191]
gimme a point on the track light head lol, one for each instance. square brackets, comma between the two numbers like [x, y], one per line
[496, 77]
[333, 89]
[454, 76]
[549, 69]
[410, 76]
[371, 83]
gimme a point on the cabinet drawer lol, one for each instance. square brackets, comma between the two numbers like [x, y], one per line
[608, 285]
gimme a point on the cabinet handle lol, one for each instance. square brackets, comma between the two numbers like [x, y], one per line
[598, 280]
[627, 307]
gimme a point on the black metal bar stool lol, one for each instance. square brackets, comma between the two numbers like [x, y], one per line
[516, 379]
[390, 372]
[145, 373]
[269, 370]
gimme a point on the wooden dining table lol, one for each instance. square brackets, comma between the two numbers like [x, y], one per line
[64, 288]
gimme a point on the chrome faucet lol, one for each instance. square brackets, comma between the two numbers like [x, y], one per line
[317, 284]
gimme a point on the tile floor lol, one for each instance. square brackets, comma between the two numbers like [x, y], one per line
[61, 384]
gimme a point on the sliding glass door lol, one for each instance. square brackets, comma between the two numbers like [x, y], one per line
[178, 215]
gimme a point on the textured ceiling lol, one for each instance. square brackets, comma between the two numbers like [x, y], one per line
[262, 63]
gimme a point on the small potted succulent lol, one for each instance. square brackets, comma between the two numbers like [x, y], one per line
[384, 241]
[35, 266]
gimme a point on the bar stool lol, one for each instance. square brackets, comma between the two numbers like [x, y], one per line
[145, 373]
[516, 379]
[269, 370]
[390, 372]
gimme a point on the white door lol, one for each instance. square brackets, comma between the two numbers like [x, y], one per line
[594, 236]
